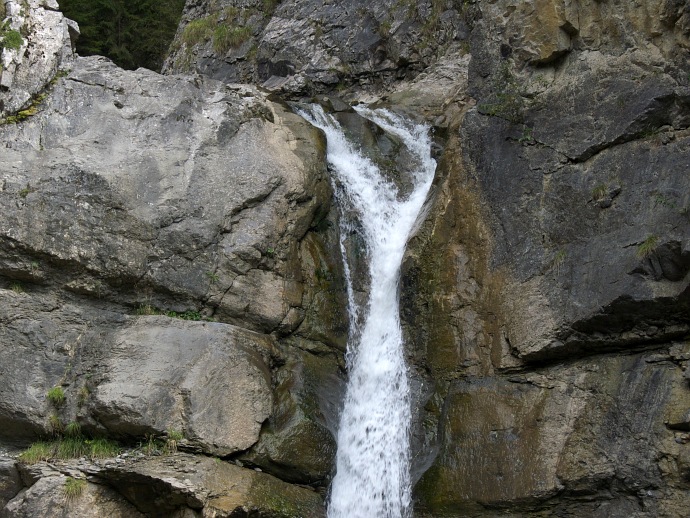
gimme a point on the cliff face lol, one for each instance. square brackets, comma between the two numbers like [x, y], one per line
[545, 297]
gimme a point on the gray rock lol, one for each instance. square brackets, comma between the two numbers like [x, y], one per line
[164, 486]
[206, 380]
[47, 498]
[47, 49]
[10, 481]
[203, 187]
[304, 45]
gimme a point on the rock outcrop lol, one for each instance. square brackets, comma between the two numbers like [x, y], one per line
[168, 271]
[36, 41]
[545, 298]
[306, 46]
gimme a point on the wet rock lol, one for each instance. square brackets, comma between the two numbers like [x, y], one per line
[311, 45]
[298, 443]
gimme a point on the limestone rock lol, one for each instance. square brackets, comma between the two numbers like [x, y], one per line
[47, 498]
[298, 444]
[204, 187]
[10, 482]
[163, 486]
[45, 49]
[206, 380]
[304, 45]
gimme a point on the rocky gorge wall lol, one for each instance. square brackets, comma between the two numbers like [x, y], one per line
[169, 258]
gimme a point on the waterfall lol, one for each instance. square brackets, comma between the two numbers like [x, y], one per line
[372, 477]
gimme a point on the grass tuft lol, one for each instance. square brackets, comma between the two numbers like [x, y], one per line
[37, 452]
[73, 429]
[102, 448]
[226, 38]
[648, 246]
[172, 440]
[71, 448]
[56, 396]
[73, 488]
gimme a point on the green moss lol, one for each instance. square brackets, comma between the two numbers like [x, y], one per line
[270, 6]
[505, 101]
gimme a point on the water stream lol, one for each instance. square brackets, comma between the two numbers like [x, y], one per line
[372, 477]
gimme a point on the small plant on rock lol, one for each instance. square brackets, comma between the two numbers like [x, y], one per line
[83, 395]
[172, 440]
[600, 192]
[55, 424]
[37, 452]
[73, 487]
[56, 396]
[71, 448]
[73, 429]
[557, 261]
[102, 448]
[647, 247]
[151, 445]
[17, 287]
[9, 38]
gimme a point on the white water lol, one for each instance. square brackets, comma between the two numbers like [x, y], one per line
[372, 477]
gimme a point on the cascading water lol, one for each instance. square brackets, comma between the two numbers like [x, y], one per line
[372, 477]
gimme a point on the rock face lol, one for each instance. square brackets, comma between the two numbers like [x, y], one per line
[547, 293]
[167, 258]
[545, 297]
[304, 46]
[29, 63]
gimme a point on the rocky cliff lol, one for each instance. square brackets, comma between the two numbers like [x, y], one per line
[169, 259]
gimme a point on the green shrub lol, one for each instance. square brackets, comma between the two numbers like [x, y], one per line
[73, 487]
[56, 396]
